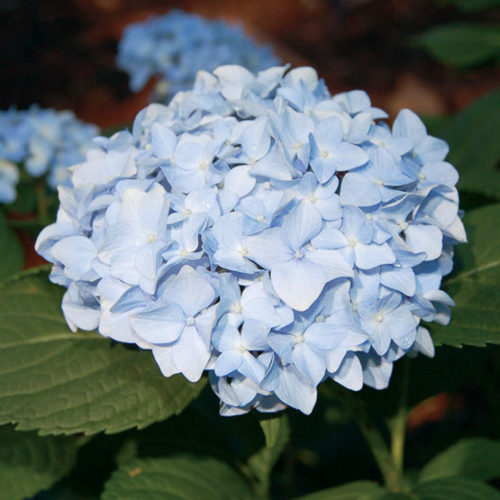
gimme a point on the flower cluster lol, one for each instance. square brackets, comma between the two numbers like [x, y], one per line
[44, 141]
[265, 231]
[177, 45]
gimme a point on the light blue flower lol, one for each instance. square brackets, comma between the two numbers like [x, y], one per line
[178, 45]
[9, 177]
[42, 142]
[261, 230]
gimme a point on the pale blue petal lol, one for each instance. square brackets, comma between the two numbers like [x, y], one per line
[347, 156]
[267, 248]
[161, 325]
[401, 279]
[377, 372]
[309, 362]
[301, 225]
[350, 373]
[296, 390]
[332, 262]
[76, 253]
[190, 354]
[228, 362]
[370, 256]
[190, 290]
[254, 335]
[163, 357]
[298, 283]
[425, 238]
[358, 190]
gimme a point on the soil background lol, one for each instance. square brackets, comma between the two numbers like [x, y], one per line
[61, 53]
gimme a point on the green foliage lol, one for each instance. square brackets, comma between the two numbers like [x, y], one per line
[475, 458]
[475, 285]
[357, 490]
[30, 463]
[277, 434]
[474, 145]
[10, 250]
[461, 45]
[62, 382]
[177, 477]
[473, 5]
[458, 488]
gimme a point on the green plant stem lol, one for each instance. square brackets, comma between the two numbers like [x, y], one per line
[380, 451]
[390, 468]
[398, 427]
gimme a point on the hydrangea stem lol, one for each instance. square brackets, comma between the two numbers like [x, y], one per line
[380, 451]
[389, 463]
[398, 425]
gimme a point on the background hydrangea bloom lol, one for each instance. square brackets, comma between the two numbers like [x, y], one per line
[265, 231]
[177, 45]
[45, 142]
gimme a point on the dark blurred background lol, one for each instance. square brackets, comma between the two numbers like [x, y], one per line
[61, 53]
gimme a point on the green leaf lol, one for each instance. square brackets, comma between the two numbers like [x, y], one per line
[474, 5]
[474, 145]
[62, 382]
[277, 434]
[30, 463]
[10, 250]
[475, 458]
[475, 286]
[176, 477]
[461, 44]
[357, 490]
[457, 488]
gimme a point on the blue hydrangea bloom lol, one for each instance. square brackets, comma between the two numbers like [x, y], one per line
[177, 45]
[264, 231]
[43, 142]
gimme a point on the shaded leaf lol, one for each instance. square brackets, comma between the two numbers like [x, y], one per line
[30, 463]
[177, 477]
[475, 285]
[358, 490]
[461, 44]
[475, 458]
[474, 145]
[458, 488]
[10, 250]
[62, 382]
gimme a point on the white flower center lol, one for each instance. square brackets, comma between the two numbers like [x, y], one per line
[298, 339]
[236, 309]
[298, 254]
[379, 318]
[190, 321]
[152, 237]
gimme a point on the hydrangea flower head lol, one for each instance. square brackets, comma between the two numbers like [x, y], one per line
[262, 230]
[177, 45]
[44, 142]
